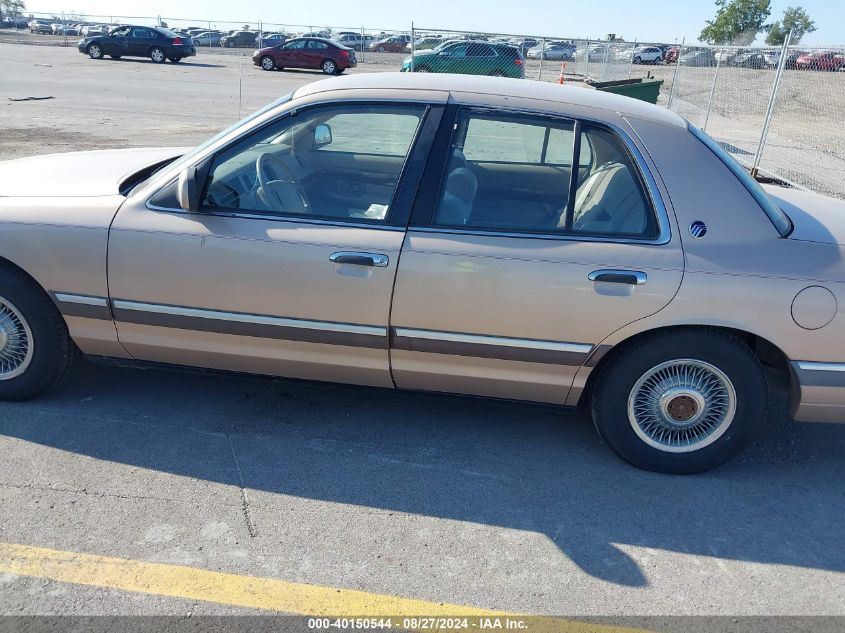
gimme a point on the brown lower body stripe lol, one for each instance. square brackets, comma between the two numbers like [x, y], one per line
[330, 333]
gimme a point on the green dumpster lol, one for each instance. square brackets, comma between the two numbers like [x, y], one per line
[643, 89]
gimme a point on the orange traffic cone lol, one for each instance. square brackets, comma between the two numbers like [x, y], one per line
[560, 79]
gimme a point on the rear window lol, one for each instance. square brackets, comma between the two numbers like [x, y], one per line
[780, 220]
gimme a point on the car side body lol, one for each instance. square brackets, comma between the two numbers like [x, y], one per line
[329, 56]
[156, 43]
[540, 310]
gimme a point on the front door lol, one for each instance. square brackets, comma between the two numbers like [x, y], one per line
[541, 240]
[292, 54]
[117, 42]
[288, 266]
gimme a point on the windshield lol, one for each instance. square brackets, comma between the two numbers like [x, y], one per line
[781, 221]
[187, 158]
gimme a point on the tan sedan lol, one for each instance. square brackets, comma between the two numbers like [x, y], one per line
[469, 235]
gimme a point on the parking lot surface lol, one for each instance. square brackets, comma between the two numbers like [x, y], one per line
[492, 505]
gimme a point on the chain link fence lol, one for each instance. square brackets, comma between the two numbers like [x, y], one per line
[777, 110]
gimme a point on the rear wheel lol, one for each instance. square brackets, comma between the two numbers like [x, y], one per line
[497, 73]
[95, 51]
[680, 402]
[157, 55]
[268, 63]
[35, 348]
[329, 67]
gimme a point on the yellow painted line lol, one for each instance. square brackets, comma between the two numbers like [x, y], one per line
[271, 594]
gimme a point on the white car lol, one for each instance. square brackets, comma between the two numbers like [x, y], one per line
[648, 55]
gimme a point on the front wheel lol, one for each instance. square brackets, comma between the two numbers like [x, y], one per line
[680, 402]
[381, 49]
[329, 67]
[268, 63]
[95, 51]
[35, 348]
[638, 60]
[157, 55]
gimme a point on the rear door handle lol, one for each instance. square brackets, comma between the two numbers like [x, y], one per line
[608, 275]
[360, 259]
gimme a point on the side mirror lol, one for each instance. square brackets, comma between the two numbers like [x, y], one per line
[186, 189]
[322, 135]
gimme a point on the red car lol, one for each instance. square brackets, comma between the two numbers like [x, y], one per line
[306, 52]
[824, 60]
[395, 44]
[671, 55]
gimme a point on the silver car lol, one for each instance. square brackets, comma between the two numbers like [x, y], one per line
[470, 235]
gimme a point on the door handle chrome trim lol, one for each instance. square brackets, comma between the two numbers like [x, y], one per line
[615, 276]
[360, 259]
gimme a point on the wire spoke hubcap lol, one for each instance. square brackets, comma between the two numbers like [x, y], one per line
[682, 405]
[16, 345]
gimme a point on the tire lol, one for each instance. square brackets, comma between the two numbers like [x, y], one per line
[638, 60]
[95, 51]
[29, 316]
[422, 69]
[115, 56]
[230, 44]
[497, 73]
[268, 63]
[731, 407]
[329, 67]
[381, 49]
[157, 55]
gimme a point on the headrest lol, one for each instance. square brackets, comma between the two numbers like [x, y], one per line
[462, 183]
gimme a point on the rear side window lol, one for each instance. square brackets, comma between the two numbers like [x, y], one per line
[781, 221]
[521, 173]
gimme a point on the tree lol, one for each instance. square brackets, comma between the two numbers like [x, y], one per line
[737, 22]
[11, 8]
[795, 19]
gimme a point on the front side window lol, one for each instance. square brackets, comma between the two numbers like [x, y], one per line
[519, 173]
[340, 162]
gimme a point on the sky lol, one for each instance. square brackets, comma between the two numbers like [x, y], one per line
[667, 22]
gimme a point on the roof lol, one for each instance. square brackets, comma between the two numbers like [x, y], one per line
[498, 86]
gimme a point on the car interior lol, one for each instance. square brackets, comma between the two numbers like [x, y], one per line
[516, 175]
[335, 163]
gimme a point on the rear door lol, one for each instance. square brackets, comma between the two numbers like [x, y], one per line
[503, 294]
[314, 53]
[141, 39]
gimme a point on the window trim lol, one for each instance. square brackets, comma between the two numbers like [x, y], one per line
[403, 195]
[423, 219]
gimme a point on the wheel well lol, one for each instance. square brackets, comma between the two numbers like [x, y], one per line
[5, 263]
[766, 352]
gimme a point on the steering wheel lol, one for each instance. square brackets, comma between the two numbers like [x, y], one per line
[276, 193]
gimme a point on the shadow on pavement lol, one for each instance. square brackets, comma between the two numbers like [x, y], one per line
[496, 463]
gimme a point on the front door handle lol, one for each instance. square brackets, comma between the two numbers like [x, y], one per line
[359, 259]
[613, 276]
